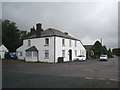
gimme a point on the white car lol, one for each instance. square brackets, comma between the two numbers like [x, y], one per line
[80, 58]
[104, 57]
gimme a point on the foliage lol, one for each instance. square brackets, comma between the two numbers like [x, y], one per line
[109, 53]
[116, 51]
[99, 49]
[104, 50]
[11, 36]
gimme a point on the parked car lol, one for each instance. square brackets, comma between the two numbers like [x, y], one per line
[80, 58]
[103, 57]
[10, 55]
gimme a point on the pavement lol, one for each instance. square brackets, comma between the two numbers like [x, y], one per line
[88, 74]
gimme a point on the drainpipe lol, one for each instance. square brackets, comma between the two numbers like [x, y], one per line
[54, 48]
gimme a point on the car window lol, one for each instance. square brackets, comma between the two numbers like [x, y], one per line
[103, 56]
[81, 56]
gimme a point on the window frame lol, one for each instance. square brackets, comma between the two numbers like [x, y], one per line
[63, 42]
[75, 53]
[47, 41]
[34, 53]
[29, 43]
[21, 54]
[63, 53]
[28, 53]
[46, 54]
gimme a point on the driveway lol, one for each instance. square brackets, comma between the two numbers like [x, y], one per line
[91, 73]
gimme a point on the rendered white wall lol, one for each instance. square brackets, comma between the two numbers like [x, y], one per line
[39, 43]
[59, 48]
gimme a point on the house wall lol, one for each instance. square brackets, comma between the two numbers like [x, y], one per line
[39, 43]
[3, 49]
[59, 47]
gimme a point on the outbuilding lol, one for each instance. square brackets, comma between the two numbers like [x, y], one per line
[3, 49]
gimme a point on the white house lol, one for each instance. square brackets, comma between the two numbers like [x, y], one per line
[48, 45]
[3, 49]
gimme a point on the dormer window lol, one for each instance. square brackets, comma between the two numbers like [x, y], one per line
[46, 41]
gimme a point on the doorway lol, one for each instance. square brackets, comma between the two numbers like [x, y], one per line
[70, 55]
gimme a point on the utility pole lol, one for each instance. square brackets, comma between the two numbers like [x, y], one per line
[101, 46]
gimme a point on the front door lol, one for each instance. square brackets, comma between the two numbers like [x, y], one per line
[70, 55]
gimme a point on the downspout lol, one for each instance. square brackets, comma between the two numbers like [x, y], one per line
[54, 44]
[54, 48]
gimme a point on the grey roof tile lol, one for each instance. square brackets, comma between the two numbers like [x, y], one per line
[33, 48]
[52, 32]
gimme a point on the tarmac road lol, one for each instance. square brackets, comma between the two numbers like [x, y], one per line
[91, 73]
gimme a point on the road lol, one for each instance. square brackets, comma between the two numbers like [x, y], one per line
[91, 73]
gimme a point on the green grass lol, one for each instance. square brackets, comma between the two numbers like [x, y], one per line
[112, 84]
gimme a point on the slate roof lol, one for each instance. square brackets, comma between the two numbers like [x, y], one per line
[52, 32]
[33, 48]
[88, 46]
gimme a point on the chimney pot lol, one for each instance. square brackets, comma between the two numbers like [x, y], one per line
[66, 33]
[38, 26]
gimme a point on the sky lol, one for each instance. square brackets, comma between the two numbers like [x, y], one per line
[87, 21]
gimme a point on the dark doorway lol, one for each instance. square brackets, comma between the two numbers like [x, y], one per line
[70, 55]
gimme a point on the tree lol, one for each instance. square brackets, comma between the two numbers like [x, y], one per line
[11, 36]
[116, 51]
[97, 48]
[104, 50]
[109, 53]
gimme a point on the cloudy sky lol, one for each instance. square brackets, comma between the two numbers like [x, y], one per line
[87, 21]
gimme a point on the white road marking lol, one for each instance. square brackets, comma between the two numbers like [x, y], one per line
[114, 80]
[89, 78]
[100, 78]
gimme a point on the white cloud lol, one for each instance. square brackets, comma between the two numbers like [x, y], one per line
[87, 21]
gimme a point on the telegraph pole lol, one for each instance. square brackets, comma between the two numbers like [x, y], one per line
[101, 46]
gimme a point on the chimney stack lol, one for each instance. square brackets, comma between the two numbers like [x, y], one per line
[39, 29]
[38, 26]
[66, 33]
[32, 30]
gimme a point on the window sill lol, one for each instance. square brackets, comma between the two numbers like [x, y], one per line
[46, 45]
[46, 58]
[63, 45]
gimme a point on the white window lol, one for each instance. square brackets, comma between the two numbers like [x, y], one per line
[63, 42]
[29, 43]
[46, 54]
[75, 44]
[46, 41]
[34, 53]
[20, 53]
[70, 43]
[63, 53]
[28, 53]
[75, 52]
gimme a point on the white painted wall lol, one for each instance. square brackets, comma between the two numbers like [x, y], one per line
[39, 43]
[59, 47]
[3, 49]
